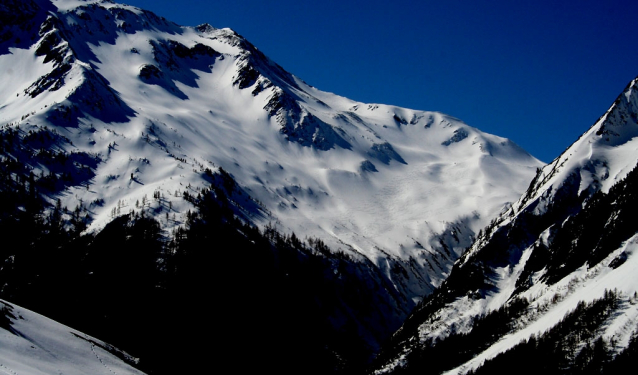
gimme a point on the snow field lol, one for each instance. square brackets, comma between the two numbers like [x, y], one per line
[37, 345]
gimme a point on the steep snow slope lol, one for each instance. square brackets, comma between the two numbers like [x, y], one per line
[570, 239]
[155, 104]
[34, 345]
[598, 159]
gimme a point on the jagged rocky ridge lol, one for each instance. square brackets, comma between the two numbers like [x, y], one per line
[551, 281]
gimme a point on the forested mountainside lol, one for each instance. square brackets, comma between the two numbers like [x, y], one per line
[551, 284]
[214, 290]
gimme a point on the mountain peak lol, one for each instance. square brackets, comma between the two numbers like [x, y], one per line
[111, 105]
[98, 64]
[205, 28]
[556, 257]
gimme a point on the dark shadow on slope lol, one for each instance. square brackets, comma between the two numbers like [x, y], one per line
[19, 21]
[384, 152]
[300, 126]
[152, 75]
[95, 24]
[89, 24]
[43, 150]
[589, 235]
[254, 63]
[80, 28]
[176, 63]
[94, 97]
[243, 205]
[258, 73]
[367, 166]
[130, 22]
[6, 317]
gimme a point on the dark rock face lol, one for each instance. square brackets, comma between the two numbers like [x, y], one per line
[459, 135]
[177, 63]
[246, 77]
[367, 166]
[149, 72]
[384, 152]
[19, 22]
[301, 126]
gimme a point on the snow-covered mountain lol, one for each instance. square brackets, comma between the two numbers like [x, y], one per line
[34, 345]
[151, 105]
[553, 280]
[112, 115]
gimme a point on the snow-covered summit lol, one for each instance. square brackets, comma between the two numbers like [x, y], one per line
[153, 105]
[601, 157]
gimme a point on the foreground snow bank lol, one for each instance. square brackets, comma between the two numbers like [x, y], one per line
[34, 345]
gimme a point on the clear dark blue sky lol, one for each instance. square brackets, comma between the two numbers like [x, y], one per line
[538, 72]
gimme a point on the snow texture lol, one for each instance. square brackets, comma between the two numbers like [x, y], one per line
[600, 158]
[35, 345]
